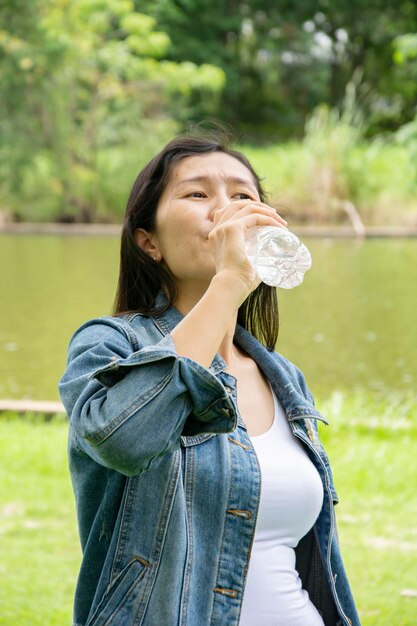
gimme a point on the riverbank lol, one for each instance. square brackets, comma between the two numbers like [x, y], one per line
[80, 230]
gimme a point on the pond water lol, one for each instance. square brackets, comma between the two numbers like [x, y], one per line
[351, 325]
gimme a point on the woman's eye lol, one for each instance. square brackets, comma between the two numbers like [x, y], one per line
[243, 196]
[196, 194]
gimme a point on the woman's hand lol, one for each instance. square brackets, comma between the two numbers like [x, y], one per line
[234, 280]
[227, 237]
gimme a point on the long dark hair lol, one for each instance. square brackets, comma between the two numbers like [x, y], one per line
[141, 278]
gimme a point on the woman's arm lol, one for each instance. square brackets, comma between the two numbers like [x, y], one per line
[202, 330]
[128, 407]
[200, 333]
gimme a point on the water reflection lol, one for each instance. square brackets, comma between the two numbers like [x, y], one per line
[350, 325]
[361, 320]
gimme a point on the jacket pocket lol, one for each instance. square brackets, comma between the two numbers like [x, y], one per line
[192, 440]
[120, 604]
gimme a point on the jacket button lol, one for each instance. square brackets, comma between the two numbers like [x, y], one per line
[226, 412]
[240, 513]
[232, 593]
[229, 389]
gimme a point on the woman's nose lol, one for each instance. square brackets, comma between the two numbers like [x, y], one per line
[220, 201]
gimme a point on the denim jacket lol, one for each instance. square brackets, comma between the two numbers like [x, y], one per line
[167, 482]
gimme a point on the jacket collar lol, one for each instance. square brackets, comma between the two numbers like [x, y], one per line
[282, 376]
[276, 368]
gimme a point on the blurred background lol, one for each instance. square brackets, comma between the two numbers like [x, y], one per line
[322, 98]
[323, 93]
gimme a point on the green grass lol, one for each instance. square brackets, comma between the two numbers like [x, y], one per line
[377, 177]
[335, 163]
[38, 536]
[372, 445]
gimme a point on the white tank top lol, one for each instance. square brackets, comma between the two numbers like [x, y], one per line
[290, 502]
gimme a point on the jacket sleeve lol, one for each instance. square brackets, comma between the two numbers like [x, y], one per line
[127, 408]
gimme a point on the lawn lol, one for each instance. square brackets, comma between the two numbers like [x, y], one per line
[372, 445]
[39, 544]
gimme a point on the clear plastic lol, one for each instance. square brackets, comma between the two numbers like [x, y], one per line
[279, 258]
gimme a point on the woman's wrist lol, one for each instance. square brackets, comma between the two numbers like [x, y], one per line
[232, 286]
[199, 335]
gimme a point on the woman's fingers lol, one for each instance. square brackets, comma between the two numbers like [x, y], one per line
[240, 208]
[227, 237]
[245, 221]
[252, 219]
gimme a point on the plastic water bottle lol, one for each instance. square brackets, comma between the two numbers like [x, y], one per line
[277, 255]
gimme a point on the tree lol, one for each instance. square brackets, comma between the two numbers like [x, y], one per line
[79, 77]
[284, 58]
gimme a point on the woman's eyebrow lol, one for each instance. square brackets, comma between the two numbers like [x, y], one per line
[228, 179]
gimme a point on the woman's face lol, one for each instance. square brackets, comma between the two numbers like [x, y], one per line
[197, 186]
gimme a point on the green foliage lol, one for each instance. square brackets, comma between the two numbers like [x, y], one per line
[84, 80]
[335, 164]
[331, 136]
[284, 59]
[405, 48]
[405, 54]
[89, 76]
[379, 176]
[247, 44]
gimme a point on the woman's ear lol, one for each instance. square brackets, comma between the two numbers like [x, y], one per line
[147, 242]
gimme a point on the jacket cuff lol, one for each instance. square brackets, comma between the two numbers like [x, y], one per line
[117, 367]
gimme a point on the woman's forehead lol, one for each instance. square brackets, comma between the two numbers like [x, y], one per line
[213, 164]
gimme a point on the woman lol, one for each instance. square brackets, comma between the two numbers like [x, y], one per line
[204, 496]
